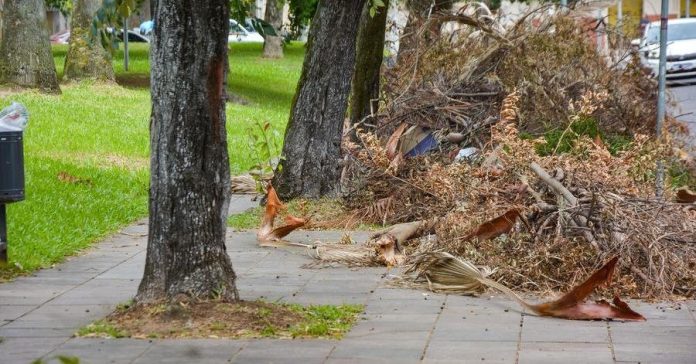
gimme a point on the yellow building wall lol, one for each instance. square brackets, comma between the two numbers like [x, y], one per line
[692, 9]
[632, 12]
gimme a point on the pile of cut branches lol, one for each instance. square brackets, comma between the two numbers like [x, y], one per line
[544, 212]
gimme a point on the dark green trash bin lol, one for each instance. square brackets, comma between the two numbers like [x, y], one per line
[11, 167]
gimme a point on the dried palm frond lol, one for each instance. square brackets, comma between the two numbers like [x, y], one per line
[244, 184]
[269, 236]
[380, 252]
[444, 272]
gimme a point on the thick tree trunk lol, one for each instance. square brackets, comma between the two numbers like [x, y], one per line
[86, 59]
[190, 176]
[312, 149]
[25, 51]
[273, 45]
[368, 62]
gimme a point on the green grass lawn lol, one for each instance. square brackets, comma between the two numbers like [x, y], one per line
[87, 150]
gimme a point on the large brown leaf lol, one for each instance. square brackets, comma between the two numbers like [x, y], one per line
[267, 234]
[393, 141]
[496, 227]
[572, 306]
[684, 195]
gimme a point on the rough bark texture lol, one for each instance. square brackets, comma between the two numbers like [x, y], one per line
[368, 61]
[312, 149]
[25, 51]
[273, 45]
[86, 59]
[190, 177]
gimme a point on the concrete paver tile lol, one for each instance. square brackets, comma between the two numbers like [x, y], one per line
[395, 350]
[550, 330]
[656, 353]
[642, 333]
[555, 352]
[475, 331]
[26, 350]
[13, 312]
[199, 351]
[61, 316]
[103, 351]
[23, 332]
[285, 351]
[471, 351]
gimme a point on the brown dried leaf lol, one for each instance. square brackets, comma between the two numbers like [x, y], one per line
[684, 195]
[266, 232]
[571, 305]
[393, 141]
[496, 227]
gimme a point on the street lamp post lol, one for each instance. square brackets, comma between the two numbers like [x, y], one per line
[662, 72]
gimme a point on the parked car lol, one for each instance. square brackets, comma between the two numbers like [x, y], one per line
[146, 27]
[133, 37]
[681, 48]
[61, 37]
[239, 34]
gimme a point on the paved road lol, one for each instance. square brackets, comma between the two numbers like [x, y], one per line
[39, 314]
[685, 97]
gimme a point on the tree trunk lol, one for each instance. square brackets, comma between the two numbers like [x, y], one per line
[190, 176]
[368, 62]
[25, 52]
[86, 59]
[273, 45]
[312, 148]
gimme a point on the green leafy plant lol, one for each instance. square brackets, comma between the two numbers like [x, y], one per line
[264, 141]
[101, 328]
[376, 5]
[62, 359]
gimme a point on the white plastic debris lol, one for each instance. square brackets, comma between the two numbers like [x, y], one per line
[14, 117]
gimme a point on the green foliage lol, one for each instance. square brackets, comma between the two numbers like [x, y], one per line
[301, 14]
[562, 141]
[617, 143]
[241, 9]
[265, 141]
[102, 329]
[64, 6]
[326, 320]
[112, 15]
[62, 359]
[376, 5]
[680, 175]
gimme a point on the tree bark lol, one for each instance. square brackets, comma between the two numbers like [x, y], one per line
[273, 45]
[368, 62]
[25, 51]
[86, 59]
[312, 148]
[190, 176]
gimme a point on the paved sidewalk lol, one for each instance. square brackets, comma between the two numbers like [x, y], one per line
[39, 314]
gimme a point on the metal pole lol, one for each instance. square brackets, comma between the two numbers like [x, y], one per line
[662, 72]
[688, 8]
[3, 234]
[619, 13]
[125, 44]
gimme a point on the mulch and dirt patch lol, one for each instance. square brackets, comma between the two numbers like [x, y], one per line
[215, 319]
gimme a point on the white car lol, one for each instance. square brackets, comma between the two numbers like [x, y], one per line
[239, 34]
[681, 48]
